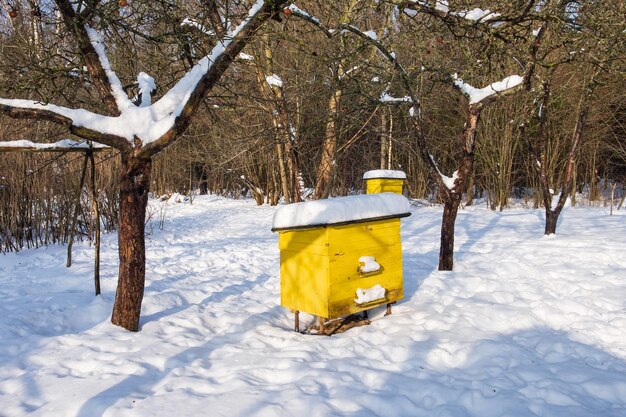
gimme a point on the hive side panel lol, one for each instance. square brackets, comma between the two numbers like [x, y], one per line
[373, 186]
[384, 185]
[347, 244]
[392, 188]
[304, 278]
[358, 238]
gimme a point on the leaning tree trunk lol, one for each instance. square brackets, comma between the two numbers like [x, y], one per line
[134, 187]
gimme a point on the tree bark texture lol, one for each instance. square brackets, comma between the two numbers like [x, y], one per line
[325, 168]
[96, 214]
[446, 249]
[134, 187]
[552, 217]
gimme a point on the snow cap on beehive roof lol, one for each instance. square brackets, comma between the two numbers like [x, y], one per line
[384, 173]
[340, 210]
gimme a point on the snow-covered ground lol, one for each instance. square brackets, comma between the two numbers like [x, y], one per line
[525, 325]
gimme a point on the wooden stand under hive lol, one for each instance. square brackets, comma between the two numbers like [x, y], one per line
[340, 256]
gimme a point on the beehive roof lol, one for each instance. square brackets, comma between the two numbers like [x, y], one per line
[340, 210]
[384, 173]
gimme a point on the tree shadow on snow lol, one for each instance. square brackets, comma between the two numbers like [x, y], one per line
[137, 387]
[214, 298]
[538, 371]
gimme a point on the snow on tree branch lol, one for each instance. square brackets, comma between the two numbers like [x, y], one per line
[274, 80]
[388, 99]
[122, 100]
[448, 182]
[476, 95]
[441, 9]
[189, 22]
[301, 13]
[140, 126]
[147, 86]
[62, 145]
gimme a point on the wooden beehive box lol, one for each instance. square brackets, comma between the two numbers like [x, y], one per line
[384, 181]
[321, 244]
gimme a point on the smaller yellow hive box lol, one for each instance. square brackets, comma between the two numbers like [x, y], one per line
[384, 181]
[342, 255]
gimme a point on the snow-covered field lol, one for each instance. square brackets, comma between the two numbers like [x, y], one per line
[525, 325]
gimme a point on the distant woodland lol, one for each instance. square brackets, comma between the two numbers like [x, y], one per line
[308, 106]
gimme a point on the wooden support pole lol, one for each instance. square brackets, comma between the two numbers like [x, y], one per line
[612, 196]
[75, 216]
[322, 325]
[388, 311]
[297, 318]
[96, 214]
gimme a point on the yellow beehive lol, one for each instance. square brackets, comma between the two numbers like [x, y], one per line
[320, 272]
[383, 181]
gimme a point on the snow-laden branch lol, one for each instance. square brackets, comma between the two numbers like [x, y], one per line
[448, 182]
[149, 123]
[121, 99]
[388, 99]
[476, 95]
[178, 105]
[245, 57]
[80, 122]
[62, 145]
[274, 81]
[192, 23]
[147, 86]
[441, 8]
[303, 14]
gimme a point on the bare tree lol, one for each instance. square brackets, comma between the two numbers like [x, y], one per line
[481, 22]
[138, 129]
[584, 36]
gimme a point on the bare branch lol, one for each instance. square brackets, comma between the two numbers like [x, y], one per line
[24, 109]
[76, 25]
[223, 54]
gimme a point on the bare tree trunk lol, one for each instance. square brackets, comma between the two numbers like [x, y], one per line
[293, 164]
[446, 249]
[452, 197]
[96, 214]
[613, 186]
[386, 130]
[284, 181]
[327, 161]
[469, 197]
[567, 182]
[383, 139]
[389, 140]
[541, 160]
[79, 193]
[134, 187]
[552, 217]
[280, 121]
